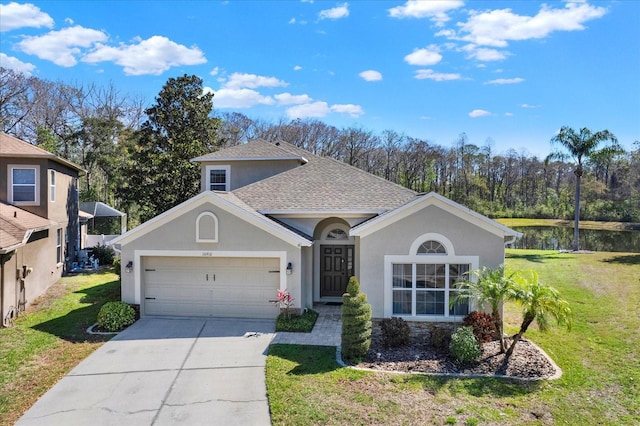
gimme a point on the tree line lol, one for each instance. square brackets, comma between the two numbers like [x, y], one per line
[137, 158]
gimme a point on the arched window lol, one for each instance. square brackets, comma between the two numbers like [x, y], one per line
[207, 228]
[337, 234]
[431, 247]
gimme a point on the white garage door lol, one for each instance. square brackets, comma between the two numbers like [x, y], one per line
[211, 287]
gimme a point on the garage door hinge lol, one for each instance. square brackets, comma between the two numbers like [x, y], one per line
[150, 298]
[149, 270]
[274, 272]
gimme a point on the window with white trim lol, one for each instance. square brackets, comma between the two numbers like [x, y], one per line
[217, 178]
[23, 185]
[422, 284]
[52, 185]
[59, 246]
[337, 234]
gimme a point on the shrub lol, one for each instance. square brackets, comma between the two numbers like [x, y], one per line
[115, 316]
[482, 324]
[440, 338]
[395, 332]
[104, 254]
[117, 266]
[356, 322]
[464, 346]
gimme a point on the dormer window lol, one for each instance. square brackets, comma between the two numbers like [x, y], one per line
[217, 178]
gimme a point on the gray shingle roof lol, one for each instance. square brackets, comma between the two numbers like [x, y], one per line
[323, 184]
[15, 223]
[257, 149]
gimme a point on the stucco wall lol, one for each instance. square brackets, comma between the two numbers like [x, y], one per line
[396, 239]
[245, 172]
[234, 235]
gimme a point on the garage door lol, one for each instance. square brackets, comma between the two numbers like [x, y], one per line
[211, 287]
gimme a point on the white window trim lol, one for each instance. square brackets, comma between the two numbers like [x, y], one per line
[227, 172]
[10, 169]
[59, 252]
[215, 221]
[390, 260]
[52, 185]
[435, 237]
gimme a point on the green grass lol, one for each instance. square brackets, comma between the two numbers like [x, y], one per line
[584, 224]
[50, 339]
[297, 323]
[600, 359]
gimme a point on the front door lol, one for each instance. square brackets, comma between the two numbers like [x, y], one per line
[336, 267]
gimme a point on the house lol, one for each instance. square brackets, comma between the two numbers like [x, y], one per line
[38, 222]
[274, 216]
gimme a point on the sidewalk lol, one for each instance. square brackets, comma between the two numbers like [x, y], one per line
[326, 332]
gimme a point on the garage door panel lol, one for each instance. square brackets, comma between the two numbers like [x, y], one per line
[224, 287]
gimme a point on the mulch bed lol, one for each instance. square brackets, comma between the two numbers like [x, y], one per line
[526, 362]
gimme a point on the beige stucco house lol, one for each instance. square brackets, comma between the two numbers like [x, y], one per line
[274, 216]
[38, 222]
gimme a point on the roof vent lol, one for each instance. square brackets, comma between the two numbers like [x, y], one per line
[15, 213]
[277, 143]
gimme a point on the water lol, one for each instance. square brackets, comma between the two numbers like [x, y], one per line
[560, 238]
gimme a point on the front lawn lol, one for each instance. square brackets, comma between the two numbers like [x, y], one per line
[51, 339]
[600, 359]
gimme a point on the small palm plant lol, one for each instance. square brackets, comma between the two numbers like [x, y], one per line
[490, 287]
[539, 302]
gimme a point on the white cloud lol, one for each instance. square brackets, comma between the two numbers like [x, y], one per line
[505, 81]
[497, 27]
[335, 13]
[528, 106]
[214, 71]
[427, 56]
[297, 68]
[508, 114]
[289, 99]
[351, 109]
[61, 47]
[484, 54]
[435, 10]
[479, 113]
[432, 75]
[425, 117]
[151, 56]
[370, 75]
[312, 110]
[238, 98]
[16, 64]
[251, 81]
[16, 15]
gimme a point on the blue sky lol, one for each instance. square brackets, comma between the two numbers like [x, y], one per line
[512, 71]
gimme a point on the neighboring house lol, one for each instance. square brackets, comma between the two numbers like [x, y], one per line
[273, 216]
[38, 222]
[103, 223]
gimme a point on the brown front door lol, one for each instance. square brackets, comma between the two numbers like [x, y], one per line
[336, 267]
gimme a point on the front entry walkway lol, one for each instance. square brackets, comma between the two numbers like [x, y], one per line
[326, 332]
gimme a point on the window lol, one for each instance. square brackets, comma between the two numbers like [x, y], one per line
[425, 289]
[59, 246]
[52, 185]
[431, 247]
[23, 185]
[337, 234]
[217, 178]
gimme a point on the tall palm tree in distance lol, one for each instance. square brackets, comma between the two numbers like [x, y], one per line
[580, 147]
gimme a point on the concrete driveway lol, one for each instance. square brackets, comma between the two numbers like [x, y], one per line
[164, 371]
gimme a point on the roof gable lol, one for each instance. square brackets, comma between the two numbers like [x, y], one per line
[14, 147]
[438, 200]
[225, 201]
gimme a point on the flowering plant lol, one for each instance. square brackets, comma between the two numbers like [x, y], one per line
[284, 301]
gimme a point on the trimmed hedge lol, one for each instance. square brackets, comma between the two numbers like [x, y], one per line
[115, 316]
[464, 346]
[395, 332]
[356, 322]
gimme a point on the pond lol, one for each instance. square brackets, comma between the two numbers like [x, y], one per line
[561, 238]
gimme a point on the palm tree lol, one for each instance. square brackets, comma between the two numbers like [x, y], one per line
[490, 287]
[539, 302]
[581, 147]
